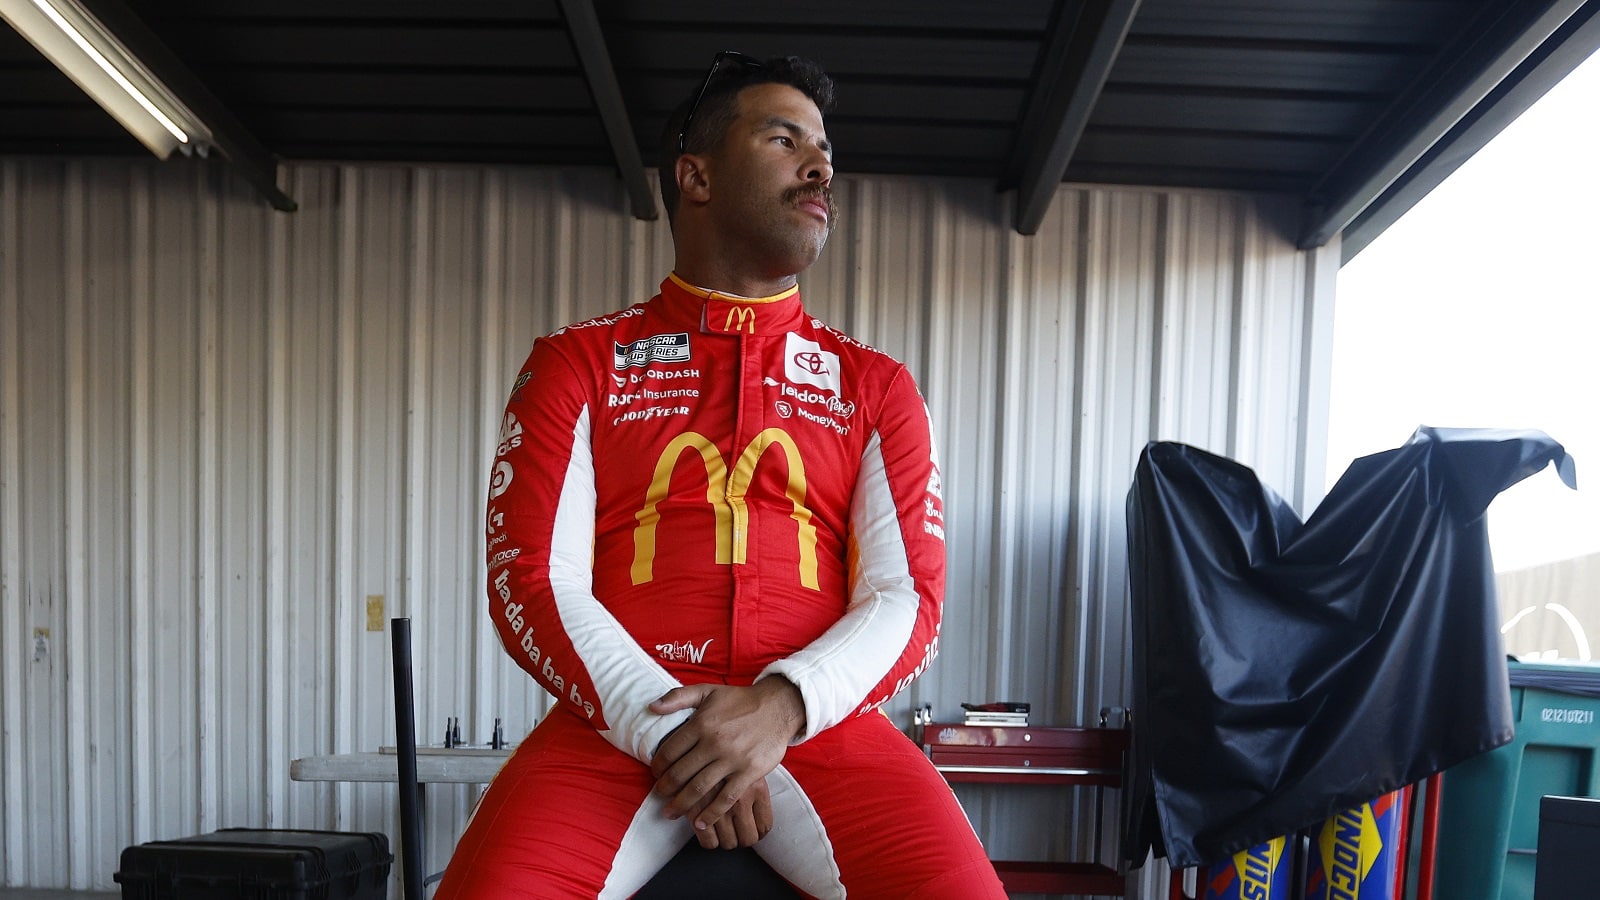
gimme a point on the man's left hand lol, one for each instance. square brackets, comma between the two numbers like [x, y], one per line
[736, 736]
[742, 826]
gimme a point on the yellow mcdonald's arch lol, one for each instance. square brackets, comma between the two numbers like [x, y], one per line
[727, 498]
[745, 316]
[644, 534]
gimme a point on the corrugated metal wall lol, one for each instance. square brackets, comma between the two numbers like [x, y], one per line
[222, 429]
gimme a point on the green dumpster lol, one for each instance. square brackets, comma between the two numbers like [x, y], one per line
[1489, 805]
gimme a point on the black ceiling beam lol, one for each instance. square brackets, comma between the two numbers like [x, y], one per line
[1462, 75]
[1085, 43]
[589, 42]
[229, 136]
[1577, 40]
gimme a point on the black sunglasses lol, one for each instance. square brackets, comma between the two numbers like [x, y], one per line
[749, 62]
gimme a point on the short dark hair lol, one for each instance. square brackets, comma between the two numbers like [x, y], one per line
[718, 108]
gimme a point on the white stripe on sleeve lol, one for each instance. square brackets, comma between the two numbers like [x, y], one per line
[626, 678]
[836, 671]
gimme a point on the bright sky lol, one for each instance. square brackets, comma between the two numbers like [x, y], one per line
[1481, 308]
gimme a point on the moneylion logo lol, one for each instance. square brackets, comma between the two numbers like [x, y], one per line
[1350, 845]
[740, 318]
[727, 498]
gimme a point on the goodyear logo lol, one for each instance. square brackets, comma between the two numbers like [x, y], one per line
[656, 348]
[1255, 868]
[1350, 846]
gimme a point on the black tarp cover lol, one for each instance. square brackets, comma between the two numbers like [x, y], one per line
[1285, 671]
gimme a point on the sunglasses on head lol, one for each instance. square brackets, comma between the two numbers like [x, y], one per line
[749, 62]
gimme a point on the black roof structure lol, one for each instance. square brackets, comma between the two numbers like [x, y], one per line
[1356, 107]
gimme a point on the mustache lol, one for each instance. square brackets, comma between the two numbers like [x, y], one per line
[814, 191]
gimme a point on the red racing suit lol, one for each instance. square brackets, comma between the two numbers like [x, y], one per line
[705, 489]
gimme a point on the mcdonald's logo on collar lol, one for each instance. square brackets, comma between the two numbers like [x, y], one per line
[740, 318]
[722, 313]
[724, 317]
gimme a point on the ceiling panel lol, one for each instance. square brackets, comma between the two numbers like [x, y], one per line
[1270, 95]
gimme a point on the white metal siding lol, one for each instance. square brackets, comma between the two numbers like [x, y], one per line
[222, 428]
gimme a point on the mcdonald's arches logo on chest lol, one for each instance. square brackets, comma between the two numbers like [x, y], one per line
[726, 494]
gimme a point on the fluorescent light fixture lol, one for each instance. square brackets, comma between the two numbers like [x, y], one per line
[69, 36]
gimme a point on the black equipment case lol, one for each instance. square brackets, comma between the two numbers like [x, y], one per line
[1569, 836]
[249, 864]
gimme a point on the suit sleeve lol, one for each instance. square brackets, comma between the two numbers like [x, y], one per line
[541, 524]
[890, 630]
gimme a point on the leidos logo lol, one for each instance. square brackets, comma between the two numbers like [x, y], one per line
[726, 496]
[1350, 844]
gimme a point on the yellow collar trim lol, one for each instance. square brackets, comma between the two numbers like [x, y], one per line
[704, 294]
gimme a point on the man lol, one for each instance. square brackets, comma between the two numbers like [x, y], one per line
[716, 534]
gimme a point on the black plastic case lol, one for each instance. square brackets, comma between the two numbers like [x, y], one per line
[1569, 839]
[251, 864]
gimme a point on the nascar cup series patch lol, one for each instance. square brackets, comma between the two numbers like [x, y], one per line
[655, 348]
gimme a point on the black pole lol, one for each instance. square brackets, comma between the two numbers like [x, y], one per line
[405, 726]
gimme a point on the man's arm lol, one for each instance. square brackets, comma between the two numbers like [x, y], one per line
[541, 523]
[890, 631]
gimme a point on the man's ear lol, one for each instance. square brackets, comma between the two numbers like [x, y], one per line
[694, 179]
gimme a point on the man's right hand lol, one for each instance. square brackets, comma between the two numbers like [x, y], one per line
[735, 738]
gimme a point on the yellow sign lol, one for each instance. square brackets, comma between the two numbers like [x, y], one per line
[1350, 844]
[1255, 868]
[740, 317]
[726, 495]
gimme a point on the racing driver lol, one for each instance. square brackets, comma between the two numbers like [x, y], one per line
[715, 534]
